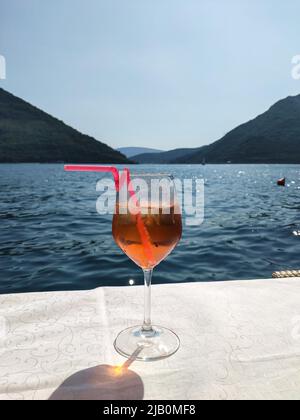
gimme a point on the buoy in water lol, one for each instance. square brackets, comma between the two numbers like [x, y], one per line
[281, 182]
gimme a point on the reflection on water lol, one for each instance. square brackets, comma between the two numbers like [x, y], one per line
[53, 239]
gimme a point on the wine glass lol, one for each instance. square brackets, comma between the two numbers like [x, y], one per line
[147, 226]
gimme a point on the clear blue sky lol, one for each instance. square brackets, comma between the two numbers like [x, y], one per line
[158, 73]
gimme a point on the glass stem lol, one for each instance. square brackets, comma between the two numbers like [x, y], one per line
[147, 325]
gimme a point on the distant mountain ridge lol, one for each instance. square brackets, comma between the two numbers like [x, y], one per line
[132, 151]
[164, 157]
[28, 134]
[272, 137]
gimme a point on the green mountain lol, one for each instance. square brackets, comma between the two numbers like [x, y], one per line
[28, 134]
[273, 137]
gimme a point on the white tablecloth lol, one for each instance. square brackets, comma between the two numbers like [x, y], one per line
[239, 340]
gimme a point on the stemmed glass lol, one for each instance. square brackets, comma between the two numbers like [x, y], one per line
[147, 226]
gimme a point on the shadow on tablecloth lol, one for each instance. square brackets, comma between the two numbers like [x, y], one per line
[101, 382]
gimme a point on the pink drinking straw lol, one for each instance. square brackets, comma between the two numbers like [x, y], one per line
[144, 234]
[97, 168]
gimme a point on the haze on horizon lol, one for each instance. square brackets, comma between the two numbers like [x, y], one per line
[160, 74]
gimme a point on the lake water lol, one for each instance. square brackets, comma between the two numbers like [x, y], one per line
[52, 238]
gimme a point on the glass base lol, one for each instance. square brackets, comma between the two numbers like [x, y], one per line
[155, 344]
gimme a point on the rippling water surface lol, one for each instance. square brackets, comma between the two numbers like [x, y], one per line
[53, 239]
